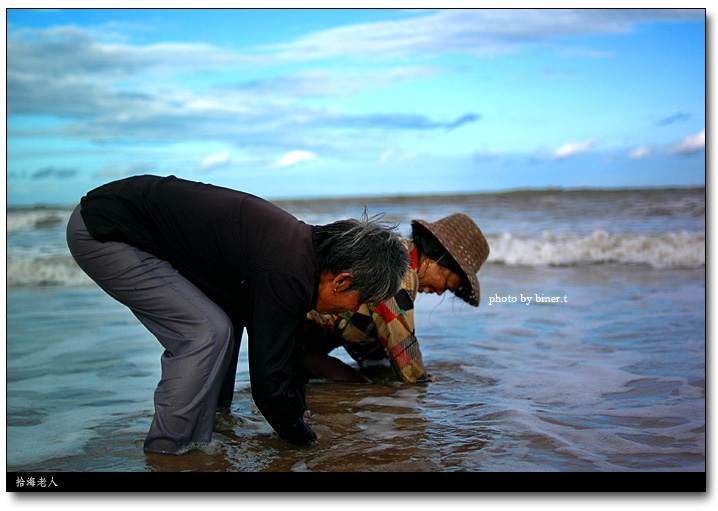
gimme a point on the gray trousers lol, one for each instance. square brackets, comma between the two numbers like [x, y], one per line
[197, 335]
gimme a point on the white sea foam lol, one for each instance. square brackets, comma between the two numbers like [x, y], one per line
[661, 229]
[44, 271]
[668, 250]
[35, 267]
[32, 219]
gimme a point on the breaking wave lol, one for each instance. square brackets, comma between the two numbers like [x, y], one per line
[45, 271]
[666, 251]
[37, 219]
[662, 251]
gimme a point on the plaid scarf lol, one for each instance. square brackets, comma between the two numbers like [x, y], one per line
[387, 326]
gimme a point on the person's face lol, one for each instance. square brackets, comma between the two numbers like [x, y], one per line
[434, 278]
[334, 298]
[337, 303]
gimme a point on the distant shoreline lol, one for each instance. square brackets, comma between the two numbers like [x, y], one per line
[425, 197]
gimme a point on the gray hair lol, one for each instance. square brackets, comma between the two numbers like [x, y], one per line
[369, 249]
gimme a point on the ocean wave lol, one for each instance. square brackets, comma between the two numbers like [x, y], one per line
[36, 219]
[45, 271]
[665, 251]
[662, 251]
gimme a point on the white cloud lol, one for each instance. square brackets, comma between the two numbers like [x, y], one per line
[214, 161]
[109, 92]
[690, 145]
[480, 31]
[639, 153]
[386, 155]
[573, 149]
[391, 155]
[294, 157]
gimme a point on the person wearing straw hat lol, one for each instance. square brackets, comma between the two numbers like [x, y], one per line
[444, 256]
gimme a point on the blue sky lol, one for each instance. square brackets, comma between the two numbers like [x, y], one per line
[302, 103]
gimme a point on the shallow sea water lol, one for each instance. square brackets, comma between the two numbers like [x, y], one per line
[611, 380]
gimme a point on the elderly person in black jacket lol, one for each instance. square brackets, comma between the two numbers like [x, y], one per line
[197, 264]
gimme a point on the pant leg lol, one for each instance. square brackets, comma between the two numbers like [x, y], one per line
[226, 393]
[196, 333]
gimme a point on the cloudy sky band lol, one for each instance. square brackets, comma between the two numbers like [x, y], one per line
[420, 88]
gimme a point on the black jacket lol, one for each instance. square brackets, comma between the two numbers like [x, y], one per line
[256, 261]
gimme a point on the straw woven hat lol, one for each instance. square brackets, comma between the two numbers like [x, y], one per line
[464, 241]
